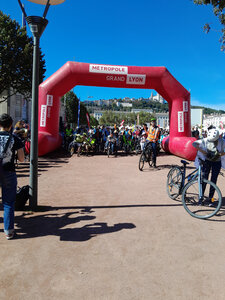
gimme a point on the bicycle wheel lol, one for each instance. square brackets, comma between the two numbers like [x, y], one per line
[72, 151]
[141, 161]
[150, 158]
[108, 150]
[174, 182]
[201, 208]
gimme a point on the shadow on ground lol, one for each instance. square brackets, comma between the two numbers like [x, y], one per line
[48, 220]
[30, 225]
[53, 160]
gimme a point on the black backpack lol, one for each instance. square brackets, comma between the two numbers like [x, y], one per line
[2, 156]
[22, 195]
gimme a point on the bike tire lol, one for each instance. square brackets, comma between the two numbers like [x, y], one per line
[72, 151]
[174, 182]
[200, 208]
[141, 162]
[150, 159]
[108, 151]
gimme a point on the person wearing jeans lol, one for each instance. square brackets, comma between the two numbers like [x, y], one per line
[211, 150]
[9, 144]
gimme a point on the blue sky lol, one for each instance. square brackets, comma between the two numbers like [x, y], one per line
[134, 33]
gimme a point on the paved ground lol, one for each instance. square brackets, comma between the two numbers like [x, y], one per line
[105, 230]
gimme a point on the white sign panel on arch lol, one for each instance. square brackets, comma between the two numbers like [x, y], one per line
[180, 115]
[107, 69]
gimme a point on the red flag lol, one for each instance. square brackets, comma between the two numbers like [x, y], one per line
[121, 124]
[88, 120]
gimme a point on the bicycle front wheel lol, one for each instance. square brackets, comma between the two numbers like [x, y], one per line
[141, 161]
[204, 207]
[174, 182]
[150, 158]
[108, 151]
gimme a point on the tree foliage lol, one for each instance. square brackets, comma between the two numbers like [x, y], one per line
[219, 11]
[208, 111]
[71, 102]
[16, 58]
[111, 118]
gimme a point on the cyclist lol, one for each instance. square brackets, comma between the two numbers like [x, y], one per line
[211, 150]
[153, 137]
[68, 136]
[112, 140]
[143, 140]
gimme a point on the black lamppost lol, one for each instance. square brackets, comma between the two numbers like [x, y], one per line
[37, 26]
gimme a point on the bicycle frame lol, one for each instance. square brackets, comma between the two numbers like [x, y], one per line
[192, 176]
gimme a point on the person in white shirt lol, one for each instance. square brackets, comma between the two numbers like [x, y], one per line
[211, 150]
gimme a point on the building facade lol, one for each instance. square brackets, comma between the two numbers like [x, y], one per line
[16, 106]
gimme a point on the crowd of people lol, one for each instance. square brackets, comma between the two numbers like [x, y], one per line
[129, 139]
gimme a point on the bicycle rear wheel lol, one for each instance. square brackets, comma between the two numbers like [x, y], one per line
[201, 208]
[174, 182]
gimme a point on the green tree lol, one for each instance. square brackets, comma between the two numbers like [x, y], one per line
[219, 11]
[144, 117]
[93, 121]
[71, 102]
[16, 59]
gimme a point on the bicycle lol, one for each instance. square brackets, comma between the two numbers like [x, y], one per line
[193, 189]
[111, 148]
[146, 156]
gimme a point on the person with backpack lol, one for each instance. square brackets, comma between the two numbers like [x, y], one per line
[9, 144]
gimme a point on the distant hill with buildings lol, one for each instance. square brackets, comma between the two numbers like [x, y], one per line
[154, 104]
[209, 111]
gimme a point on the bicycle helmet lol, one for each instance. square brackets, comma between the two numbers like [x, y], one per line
[153, 119]
[213, 135]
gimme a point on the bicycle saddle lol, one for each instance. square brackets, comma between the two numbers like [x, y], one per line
[184, 162]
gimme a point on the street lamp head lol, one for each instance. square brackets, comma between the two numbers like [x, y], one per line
[44, 2]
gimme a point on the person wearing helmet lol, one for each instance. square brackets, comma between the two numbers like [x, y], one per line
[153, 137]
[211, 150]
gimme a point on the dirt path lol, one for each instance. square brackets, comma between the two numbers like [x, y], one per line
[105, 230]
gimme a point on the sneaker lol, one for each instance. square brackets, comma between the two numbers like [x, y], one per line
[10, 235]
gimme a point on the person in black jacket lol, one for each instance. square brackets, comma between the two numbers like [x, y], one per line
[9, 144]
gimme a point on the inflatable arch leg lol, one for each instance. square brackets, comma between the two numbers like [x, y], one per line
[72, 73]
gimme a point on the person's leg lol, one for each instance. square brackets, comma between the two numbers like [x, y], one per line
[154, 153]
[205, 171]
[8, 200]
[216, 166]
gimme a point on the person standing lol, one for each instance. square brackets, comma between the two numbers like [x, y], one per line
[211, 150]
[9, 144]
[153, 137]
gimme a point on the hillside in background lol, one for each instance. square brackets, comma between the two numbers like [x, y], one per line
[156, 107]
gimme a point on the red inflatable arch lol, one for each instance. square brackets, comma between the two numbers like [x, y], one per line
[158, 78]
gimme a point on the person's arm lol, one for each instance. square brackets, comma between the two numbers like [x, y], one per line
[222, 153]
[20, 154]
[197, 145]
